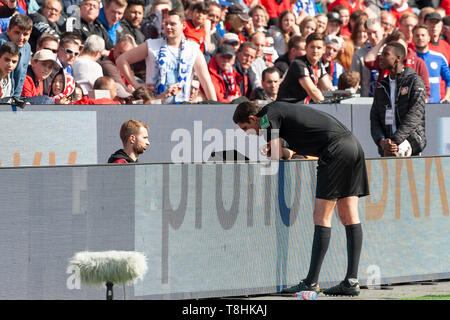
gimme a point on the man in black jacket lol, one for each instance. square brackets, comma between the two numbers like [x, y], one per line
[45, 21]
[397, 117]
[132, 19]
[89, 23]
[134, 136]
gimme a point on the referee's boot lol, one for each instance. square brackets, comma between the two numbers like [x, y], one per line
[302, 286]
[348, 287]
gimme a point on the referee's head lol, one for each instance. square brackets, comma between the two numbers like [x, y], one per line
[245, 117]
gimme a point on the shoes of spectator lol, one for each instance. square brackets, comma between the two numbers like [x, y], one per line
[302, 286]
[345, 288]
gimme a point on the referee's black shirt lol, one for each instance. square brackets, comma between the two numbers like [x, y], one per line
[307, 131]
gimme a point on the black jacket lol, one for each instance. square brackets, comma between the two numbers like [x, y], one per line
[120, 154]
[409, 111]
[282, 63]
[40, 26]
[126, 28]
[87, 29]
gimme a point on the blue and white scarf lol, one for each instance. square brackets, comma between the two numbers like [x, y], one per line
[162, 62]
[308, 5]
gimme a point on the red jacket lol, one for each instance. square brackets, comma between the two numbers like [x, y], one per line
[219, 83]
[32, 87]
[357, 5]
[197, 35]
[274, 9]
[445, 4]
[85, 101]
[398, 14]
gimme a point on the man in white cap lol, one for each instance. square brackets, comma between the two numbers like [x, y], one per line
[333, 44]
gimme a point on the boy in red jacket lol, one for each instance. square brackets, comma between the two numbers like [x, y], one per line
[41, 67]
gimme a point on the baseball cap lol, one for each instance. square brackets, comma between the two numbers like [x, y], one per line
[433, 15]
[239, 11]
[45, 55]
[331, 38]
[230, 37]
[226, 50]
[334, 16]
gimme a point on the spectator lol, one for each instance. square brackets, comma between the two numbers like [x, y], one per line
[436, 63]
[355, 17]
[296, 48]
[152, 26]
[371, 59]
[245, 55]
[86, 69]
[214, 15]
[377, 6]
[62, 88]
[334, 23]
[368, 77]
[19, 32]
[261, 62]
[346, 54]
[303, 9]
[9, 57]
[344, 16]
[196, 95]
[109, 67]
[49, 42]
[434, 23]
[8, 9]
[68, 51]
[285, 30]
[224, 77]
[78, 93]
[143, 95]
[388, 22]
[333, 45]
[132, 19]
[198, 28]
[236, 20]
[308, 26]
[260, 18]
[349, 80]
[41, 67]
[322, 22]
[423, 12]
[359, 34]
[397, 117]
[165, 70]
[270, 85]
[134, 136]
[231, 39]
[110, 16]
[105, 84]
[399, 9]
[406, 24]
[90, 24]
[306, 77]
[45, 21]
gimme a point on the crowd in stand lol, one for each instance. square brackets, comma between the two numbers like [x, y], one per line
[187, 51]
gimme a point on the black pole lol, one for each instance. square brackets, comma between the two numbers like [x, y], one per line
[109, 291]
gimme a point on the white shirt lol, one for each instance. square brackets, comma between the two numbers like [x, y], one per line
[6, 87]
[152, 73]
[392, 87]
[85, 71]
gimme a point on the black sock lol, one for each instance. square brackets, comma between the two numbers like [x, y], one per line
[319, 249]
[354, 244]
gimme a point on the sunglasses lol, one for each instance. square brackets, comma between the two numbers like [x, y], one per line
[68, 51]
[52, 50]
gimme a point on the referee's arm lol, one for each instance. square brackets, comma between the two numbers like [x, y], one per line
[282, 153]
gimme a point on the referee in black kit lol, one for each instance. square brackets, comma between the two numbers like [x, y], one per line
[341, 177]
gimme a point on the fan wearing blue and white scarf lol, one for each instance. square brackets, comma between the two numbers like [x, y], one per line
[308, 5]
[161, 66]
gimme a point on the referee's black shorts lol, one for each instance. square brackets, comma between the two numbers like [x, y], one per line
[341, 170]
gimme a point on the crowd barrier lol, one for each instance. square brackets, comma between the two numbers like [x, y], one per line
[213, 229]
[61, 135]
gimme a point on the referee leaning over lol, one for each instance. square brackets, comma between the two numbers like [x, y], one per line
[341, 177]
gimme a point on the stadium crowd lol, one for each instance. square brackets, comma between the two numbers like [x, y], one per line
[187, 51]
